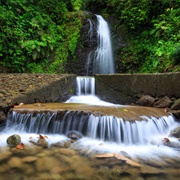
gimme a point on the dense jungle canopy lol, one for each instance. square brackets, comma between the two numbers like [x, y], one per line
[39, 36]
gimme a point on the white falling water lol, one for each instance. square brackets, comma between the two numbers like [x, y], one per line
[104, 128]
[85, 93]
[85, 86]
[103, 58]
[101, 134]
[90, 32]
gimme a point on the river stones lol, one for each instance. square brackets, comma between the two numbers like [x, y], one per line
[74, 135]
[175, 132]
[146, 100]
[13, 140]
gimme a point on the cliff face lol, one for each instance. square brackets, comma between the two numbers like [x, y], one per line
[87, 44]
[88, 41]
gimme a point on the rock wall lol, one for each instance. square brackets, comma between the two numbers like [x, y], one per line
[32, 88]
[128, 88]
[158, 90]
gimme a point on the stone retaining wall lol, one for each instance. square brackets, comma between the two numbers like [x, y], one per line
[128, 88]
[32, 88]
[116, 88]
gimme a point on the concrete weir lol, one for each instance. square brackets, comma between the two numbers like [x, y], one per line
[129, 113]
[127, 88]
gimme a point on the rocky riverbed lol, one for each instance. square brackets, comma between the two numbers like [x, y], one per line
[62, 161]
[67, 159]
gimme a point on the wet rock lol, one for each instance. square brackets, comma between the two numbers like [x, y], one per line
[68, 143]
[146, 100]
[76, 164]
[42, 142]
[15, 162]
[173, 144]
[149, 170]
[176, 105]
[3, 168]
[46, 163]
[28, 169]
[176, 113]
[13, 140]
[74, 135]
[163, 102]
[175, 132]
[2, 116]
[29, 159]
[5, 155]
[67, 152]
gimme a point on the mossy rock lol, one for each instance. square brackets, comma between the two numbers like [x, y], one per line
[13, 140]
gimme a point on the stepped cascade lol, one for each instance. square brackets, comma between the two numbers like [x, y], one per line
[103, 127]
[106, 128]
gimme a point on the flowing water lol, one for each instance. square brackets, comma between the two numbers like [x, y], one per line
[137, 138]
[140, 140]
[103, 62]
[85, 93]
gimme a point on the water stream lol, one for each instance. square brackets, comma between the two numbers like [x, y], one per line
[101, 133]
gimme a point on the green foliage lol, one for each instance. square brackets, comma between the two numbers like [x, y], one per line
[175, 55]
[76, 4]
[153, 33]
[37, 35]
[42, 36]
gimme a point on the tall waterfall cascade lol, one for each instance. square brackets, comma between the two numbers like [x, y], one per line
[98, 131]
[103, 58]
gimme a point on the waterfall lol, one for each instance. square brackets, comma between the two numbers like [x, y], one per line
[85, 93]
[103, 57]
[85, 86]
[90, 32]
[106, 128]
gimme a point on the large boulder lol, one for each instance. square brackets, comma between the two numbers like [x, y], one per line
[146, 100]
[163, 102]
[176, 105]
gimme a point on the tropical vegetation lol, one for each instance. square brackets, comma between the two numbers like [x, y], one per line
[40, 35]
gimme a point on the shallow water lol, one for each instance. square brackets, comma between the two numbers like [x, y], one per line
[64, 159]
